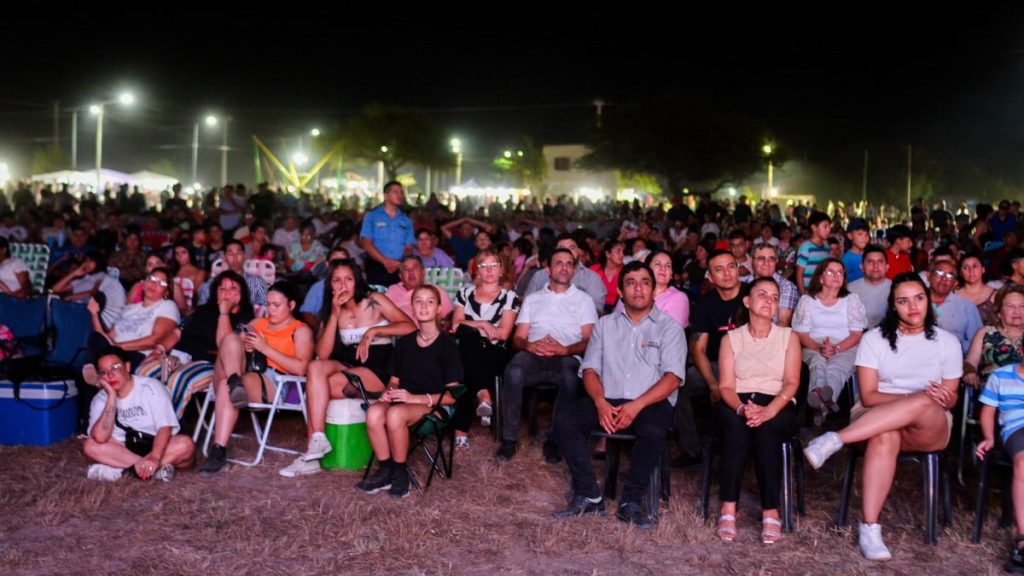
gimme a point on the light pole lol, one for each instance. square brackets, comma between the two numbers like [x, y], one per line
[767, 149]
[224, 153]
[210, 120]
[457, 149]
[126, 98]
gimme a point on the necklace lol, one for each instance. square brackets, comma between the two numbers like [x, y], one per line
[426, 341]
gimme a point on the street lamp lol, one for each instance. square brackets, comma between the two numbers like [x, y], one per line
[126, 98]
[224, 152]
[767, 149]
[211, 121]
[457, 150]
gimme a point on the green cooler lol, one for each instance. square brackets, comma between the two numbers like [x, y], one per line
[346, 429]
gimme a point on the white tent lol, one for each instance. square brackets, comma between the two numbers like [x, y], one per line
[147, 180]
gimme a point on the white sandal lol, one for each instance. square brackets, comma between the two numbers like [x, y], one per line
[724, 532]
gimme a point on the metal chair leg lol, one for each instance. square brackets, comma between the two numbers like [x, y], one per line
[787, 488]
[844, 500]
[980, 507]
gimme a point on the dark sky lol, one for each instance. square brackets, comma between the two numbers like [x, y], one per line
[948, 81]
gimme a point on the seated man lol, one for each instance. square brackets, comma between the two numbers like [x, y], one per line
[128, 405]
[552, 330]
[631, 374]
[411, 275]
[583, 278]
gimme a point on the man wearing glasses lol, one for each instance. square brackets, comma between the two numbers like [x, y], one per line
[955, 313]
[765, 264]
[132, 426]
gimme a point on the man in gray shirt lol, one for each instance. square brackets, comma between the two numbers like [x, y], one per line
[631, 373]
[873, 289]
[583, 278]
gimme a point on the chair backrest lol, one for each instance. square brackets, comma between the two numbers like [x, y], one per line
[37, 258]
[26, 319]
[188, 290]
[218, 266]
[72, 325]
[114, 272]
[263, 268]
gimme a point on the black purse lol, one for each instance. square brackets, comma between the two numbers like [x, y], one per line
[137, 442]
[256, 361]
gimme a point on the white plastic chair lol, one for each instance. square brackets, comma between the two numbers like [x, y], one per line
[263, 268]
[282, 383]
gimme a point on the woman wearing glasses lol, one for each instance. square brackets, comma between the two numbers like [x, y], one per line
[484, 317]
[829, 320]
[142, 326]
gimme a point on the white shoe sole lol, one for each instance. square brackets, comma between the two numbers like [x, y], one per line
[293, 474]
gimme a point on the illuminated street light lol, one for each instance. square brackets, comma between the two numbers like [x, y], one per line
[767, 149]
[126, 98]
[314, 132]
[457, 150]
[211, 121]
[508, 154]
[300, 158]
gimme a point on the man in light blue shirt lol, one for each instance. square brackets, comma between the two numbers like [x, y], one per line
[386, 236]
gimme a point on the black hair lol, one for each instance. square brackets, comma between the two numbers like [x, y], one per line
[891, 323]
[362, 288]
[245, 302]
[633, 267]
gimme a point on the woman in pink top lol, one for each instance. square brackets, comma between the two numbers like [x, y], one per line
[667, 298]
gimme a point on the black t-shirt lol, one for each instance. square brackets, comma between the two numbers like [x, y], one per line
[426, 370]
[714, 317]
[199, 336]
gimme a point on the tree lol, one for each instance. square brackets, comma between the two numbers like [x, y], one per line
[50, 159]
[397, 136]
[524, 165]
[686, 142]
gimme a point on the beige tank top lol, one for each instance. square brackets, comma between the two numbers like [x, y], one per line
[759, 363]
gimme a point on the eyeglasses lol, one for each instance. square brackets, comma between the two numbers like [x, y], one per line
[157, 280]
[834, 273]
[488, 265]
[117, 367]
[944, 275]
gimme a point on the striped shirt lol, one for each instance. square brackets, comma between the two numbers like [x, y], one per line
[1005, 392]
[808, 257]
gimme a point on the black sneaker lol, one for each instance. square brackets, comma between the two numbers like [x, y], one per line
[632, 513]
[237, 392]
[1015, 565]
[217, 461]
[581, 505]
[552, 455]
[507, 450]
[380, 481]
[399, 482]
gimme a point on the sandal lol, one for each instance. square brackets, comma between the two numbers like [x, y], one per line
[1015, 565]
[462, 443]
[726, 533]
[771, 530]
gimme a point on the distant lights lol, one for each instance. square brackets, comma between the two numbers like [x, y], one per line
[5, 172]
[731, 191]
[126, 98]
[211, 120]
[767, 149]
[456, 145]
[291, 189]
[300, 158]
[508, 154]
[519, 153]
[384, 149]
[314, 132]
[95, 109]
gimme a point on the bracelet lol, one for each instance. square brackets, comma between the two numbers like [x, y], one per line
[739, 409]
[225, 314]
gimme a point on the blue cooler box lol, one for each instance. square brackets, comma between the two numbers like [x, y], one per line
[40, 414]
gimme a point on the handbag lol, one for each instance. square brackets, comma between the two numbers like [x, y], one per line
[136, 441]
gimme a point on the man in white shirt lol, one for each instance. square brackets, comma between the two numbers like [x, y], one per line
[552, 332]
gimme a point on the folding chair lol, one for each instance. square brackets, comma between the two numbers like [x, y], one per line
[282, 383]
[263, 268]
[435, 425]
[28, 321]
[37, 258]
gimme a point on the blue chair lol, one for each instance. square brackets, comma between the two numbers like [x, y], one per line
[27, 319]
[71, 325]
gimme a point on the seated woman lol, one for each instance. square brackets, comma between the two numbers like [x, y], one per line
[134, 295]
[141, 326]
[307, 253]
[186, 272]
[608, 271]
[196, 350]
[130, 260]
[14, 278]
[355, 329]
[484, 317]
[759, 374]
[90, 280]
[909, 372]
[424, 366]
[997, 345]
[287, 344]
[974, 288]
[829, 320]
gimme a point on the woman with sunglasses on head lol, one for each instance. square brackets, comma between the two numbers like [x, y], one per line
[424, 367]
[829, 320]
[909, 372]
[141, 327]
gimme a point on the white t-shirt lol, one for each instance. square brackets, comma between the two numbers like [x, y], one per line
[284, 238]
[561, 315]
[137, 321]
[147, 408]
[9, 269]
[836, 321]
[14, 233]
[916, 362]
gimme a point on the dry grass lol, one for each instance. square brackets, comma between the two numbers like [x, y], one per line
[488, 519]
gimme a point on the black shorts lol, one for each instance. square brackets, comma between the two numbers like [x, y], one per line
[1014, 444]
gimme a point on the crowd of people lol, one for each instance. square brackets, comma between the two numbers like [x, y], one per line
[649, 321]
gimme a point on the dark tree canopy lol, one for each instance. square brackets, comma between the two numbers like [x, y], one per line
[408, 135]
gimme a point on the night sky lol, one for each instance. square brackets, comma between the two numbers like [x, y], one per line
[948, 82]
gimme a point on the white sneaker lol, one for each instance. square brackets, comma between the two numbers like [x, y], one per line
[301, 467]
[870, 541]
[819, 449]
[165, 473]
[104, 473]
[319, 447]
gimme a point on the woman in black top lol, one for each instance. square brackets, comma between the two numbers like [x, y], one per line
[423, 365]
